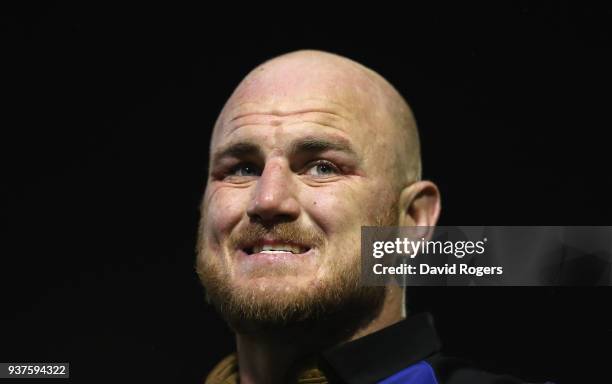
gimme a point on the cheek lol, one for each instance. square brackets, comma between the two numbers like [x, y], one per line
[340, 208]
[223, 208]
[336, 208]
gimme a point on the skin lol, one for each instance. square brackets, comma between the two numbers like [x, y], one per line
[370, 163]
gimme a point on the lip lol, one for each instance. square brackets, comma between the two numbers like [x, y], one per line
[249, 249]
[274, 258]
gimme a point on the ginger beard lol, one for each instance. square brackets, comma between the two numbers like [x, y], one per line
[335, 300]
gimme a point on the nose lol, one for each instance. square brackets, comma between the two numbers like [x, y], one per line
[274, 199]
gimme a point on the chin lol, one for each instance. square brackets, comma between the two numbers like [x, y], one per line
[279, 286]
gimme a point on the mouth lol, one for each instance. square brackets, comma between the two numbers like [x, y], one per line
[275, 247]
[271, 257]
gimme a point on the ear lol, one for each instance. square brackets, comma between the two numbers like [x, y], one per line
[420, 205]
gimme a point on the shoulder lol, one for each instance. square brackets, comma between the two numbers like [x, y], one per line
[449, 370]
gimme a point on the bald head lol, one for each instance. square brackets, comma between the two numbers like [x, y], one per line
[319, 81]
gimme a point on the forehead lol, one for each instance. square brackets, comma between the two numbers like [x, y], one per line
[283, 99]
[280, 125]
[270, 106]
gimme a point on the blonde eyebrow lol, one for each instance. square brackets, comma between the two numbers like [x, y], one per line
[317, 144]
[238, 149]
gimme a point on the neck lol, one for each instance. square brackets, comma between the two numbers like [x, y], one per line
[269, 356]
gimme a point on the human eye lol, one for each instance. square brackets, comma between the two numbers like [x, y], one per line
[243, 170]
[322, 168]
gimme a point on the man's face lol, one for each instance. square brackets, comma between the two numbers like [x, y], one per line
[295, 172]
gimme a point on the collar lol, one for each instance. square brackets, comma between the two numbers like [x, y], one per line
[368, 359]
[381, 354]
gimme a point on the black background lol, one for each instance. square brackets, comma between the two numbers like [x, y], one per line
[106, 113]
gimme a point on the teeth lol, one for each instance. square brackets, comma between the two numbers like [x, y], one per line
[277, 248]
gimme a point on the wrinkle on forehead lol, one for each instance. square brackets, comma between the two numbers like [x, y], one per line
[308, 104]
[253, 115]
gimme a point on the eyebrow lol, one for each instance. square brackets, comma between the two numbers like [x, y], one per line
[316, 144]
[239, 149]
[243, 149]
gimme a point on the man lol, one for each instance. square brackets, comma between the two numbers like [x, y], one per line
[310, 147]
